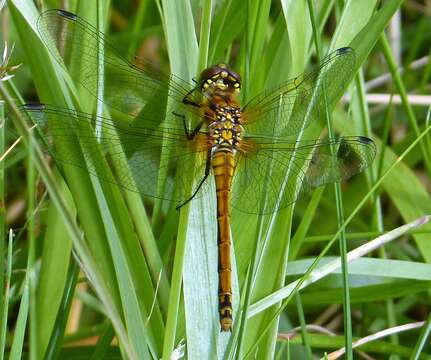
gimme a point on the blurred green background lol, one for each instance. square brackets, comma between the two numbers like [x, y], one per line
[95, 272]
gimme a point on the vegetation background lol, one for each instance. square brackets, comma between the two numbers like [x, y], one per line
[90, 271]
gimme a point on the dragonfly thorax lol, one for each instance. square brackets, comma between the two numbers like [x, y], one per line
[226, 128]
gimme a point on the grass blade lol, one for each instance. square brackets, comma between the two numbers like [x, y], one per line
[18, 339]
[5, 297]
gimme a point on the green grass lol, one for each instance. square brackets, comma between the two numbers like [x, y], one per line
[151, 271]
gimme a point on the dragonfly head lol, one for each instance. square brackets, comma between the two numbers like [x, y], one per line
[219, 80]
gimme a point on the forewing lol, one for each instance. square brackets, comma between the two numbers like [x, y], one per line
[142, 93]
[290, 107]
[136, 156]
[274, 174]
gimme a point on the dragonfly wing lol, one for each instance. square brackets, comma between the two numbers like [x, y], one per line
[136, 156]
[276, 173]
[91, 60]
[290, 107]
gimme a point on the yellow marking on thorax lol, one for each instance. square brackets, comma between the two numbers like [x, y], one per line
[226, 135]
[226, 128]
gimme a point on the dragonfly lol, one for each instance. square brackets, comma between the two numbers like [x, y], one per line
[162, 127]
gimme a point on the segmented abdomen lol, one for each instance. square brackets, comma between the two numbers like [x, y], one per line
[223, 164]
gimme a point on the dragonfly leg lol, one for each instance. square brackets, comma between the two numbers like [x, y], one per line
[207, 172]
[188, 100]
[189, 135]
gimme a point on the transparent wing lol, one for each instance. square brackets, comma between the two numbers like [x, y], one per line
[274, 174]
[288, 108]
[68, 136]
[92, 60]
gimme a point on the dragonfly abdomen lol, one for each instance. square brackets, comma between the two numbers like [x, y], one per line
[223, 164]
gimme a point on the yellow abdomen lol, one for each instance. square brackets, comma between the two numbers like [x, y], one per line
[223, 164]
